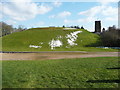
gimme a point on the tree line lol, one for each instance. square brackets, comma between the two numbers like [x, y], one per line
[111, 37]
[77, 27]
[6, 29]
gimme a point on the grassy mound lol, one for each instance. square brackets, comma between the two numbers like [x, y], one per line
[65, 73]
[39, 39]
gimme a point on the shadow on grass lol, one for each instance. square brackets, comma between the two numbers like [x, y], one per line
[114, 68]
[103, 81]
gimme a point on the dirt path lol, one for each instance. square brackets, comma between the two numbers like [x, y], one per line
[54, 55]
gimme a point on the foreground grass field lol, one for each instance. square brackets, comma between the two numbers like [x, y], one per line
[65, 73]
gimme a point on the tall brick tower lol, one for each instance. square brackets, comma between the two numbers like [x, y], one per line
[98, 26]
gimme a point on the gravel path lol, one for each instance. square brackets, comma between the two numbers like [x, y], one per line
[54, 55]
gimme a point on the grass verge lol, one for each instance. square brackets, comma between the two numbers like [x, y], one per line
[64, 73]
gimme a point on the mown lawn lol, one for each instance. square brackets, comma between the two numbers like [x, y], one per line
[65, 73]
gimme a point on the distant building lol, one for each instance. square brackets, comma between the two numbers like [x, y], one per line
[97, 26]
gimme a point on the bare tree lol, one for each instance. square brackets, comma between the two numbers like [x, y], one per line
[5, 28]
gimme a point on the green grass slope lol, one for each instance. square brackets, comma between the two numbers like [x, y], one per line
[20, 41]
[65, 73]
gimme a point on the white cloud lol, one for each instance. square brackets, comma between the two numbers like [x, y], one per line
[92, 11]
[57, 4]
[52, 16]
[67, 21]
[43, 9]
[11, 22]
[61, 15]
[81, 20]
[91, 14]
[20, 0]
[39, 23]
[105, 11]
[1, 16]
[64, 14]
[21, 11]
[86, 20]
[105, 2]
[110, 11]
[111, 18]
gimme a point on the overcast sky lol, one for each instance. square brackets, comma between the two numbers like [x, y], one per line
[42, 14]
